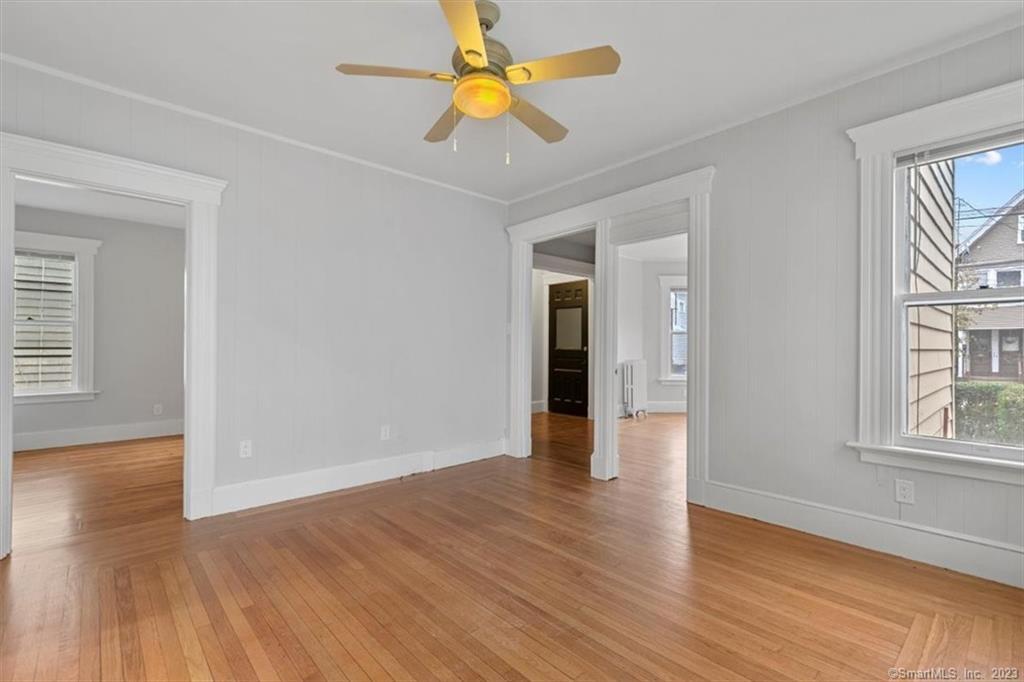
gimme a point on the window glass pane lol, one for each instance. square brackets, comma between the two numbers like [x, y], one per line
[569, 329]
[962, 222]
[677, 304]
[1008, 278]
[965, 372]
[42, 357]
[679, 352]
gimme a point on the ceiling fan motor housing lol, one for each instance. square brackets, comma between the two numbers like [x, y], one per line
[498, 56]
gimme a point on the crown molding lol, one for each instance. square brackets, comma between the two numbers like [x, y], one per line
[88, 82]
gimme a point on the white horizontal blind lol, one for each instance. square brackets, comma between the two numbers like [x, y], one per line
[44, 321]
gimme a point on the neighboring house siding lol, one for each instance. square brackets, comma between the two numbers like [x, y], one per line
[933, 254]
[996, 245]
[994, 257]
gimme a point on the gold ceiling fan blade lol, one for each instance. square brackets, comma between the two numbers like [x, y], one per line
[536, 120]
[465, 24]
[392, 72]
[444, 126]
[596, 61]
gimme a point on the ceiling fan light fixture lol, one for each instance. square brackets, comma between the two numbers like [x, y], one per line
[481, 95]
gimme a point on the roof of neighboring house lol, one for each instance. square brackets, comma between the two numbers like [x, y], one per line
[991, 222]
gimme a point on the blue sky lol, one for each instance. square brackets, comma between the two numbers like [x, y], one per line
[987, 180]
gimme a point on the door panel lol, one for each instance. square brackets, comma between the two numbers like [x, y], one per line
[567, 348]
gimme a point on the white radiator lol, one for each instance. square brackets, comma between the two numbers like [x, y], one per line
[634, 387]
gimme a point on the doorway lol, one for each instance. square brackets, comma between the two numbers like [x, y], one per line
[562, 400]
[679, 204]
[99, 288]
[199, 196]
[568, 380]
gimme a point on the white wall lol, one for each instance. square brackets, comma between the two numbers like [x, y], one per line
[139, 330]
[662, 397]
[631, 310]
[348, 297]
[784, 244]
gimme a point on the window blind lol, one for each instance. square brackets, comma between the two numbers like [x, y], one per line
[44, 320]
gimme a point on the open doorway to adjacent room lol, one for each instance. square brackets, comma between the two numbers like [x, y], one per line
[99, 313]
[652, 359]
[562, 386]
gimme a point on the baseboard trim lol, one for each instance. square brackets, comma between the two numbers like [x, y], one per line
[539, 406]
[239, 496]
[990, 559]
[656, 406]
[38, 440]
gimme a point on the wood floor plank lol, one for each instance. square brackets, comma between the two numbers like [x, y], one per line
[502, 569]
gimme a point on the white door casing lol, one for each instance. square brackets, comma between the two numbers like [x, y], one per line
[200, 196]
[680, 204]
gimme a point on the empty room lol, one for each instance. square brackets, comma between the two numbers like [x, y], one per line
[550, 340]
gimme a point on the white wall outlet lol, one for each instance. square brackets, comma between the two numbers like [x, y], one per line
[385, 432]
[904, 491]
[158, 409]
[245, 449]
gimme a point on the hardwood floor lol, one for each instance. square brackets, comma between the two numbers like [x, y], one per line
[500, 569]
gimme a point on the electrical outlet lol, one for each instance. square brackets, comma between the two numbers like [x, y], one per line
[904, 491]
[245, 449]
[385, 432]
[158, 409]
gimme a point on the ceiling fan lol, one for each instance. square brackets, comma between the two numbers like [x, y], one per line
[484, 71]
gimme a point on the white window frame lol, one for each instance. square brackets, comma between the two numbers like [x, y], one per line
[880, 437]
[1020, 229]
[84, 252]
[667, 284]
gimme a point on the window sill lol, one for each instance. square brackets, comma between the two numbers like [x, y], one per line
[58, 397]
[673, 379]
[952, 464]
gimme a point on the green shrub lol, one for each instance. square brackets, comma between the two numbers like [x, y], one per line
[1010, 414]
[990, 411]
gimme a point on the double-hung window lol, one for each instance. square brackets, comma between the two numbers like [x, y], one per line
[53, 289]
[941, 362]
[673, 329]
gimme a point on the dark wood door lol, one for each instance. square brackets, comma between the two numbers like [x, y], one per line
[567, 348]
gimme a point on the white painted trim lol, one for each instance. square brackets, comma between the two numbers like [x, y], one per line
[604, 461]
[539, 406]
[584, 216]
[56, 397]
[565, 266]
[55, 243]
[975, 115]
[25, 63]
[666, 406]
[952, 464]
[676, 205]
[666, 284]
[82, 328]
[264, 491]
[201, 196]
[37, 440]
[999, 561]
[881, 384]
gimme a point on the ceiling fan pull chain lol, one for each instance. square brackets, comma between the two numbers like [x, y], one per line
[508, 147]
[455, 123]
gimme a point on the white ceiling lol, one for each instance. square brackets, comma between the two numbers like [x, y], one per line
[71, 199]
[665, 249]
[687, 68]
